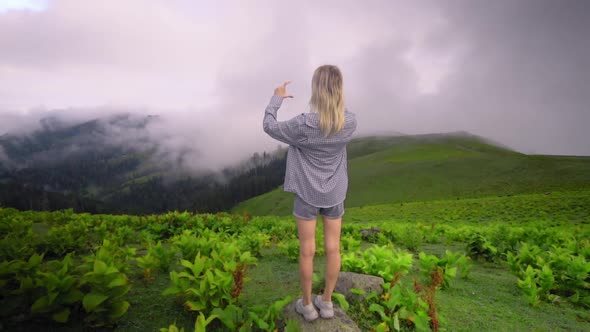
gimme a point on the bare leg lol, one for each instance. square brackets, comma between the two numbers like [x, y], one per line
[306, 232]
[332, 242]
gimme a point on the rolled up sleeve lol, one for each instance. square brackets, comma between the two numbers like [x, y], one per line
[288, 132]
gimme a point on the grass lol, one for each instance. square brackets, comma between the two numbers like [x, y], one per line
[150, 309]
[489, 300]
[274, 269]
[406, 169]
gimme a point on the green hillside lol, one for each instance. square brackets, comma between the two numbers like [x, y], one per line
[429, 167]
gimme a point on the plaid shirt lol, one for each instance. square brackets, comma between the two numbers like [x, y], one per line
[317, 167]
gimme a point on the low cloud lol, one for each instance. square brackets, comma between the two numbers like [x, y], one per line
[510, 71]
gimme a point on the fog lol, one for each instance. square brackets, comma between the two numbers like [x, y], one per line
[517, 72]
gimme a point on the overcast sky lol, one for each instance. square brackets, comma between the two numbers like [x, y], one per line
[517, 72]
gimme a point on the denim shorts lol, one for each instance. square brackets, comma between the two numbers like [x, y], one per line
[303, 210]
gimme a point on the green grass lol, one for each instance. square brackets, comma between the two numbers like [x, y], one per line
[489, 300]
[273, 269]
[150, 309]
[423, 168]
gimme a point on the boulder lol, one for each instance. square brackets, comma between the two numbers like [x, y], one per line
[348, 280]
[370, 233]
[339, 323]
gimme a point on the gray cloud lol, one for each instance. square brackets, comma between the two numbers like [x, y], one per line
[524, 78]
[513, 71]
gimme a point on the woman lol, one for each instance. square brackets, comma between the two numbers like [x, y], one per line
[317, 173]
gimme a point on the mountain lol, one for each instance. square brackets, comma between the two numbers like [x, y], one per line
[116, 164]
[438, 166]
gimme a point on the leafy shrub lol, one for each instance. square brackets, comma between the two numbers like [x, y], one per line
[17, 285]
[478, 247]
[399, 308]
[265, 318]
[112, 254]
[59, 289]
[163, 256]
[104, 289]
[122, 235]
[411, 238]
[551, 274]
[60, 240]
[449, 264]
[18, 240]
[254, 242]
[382, 261]
[290, 248]
[349, 243]
[210, 282]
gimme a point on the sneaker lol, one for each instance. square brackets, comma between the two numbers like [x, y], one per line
[308, 311]
[326, 308]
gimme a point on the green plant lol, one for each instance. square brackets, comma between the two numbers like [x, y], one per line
[60, 240]
[265, 318]
[341, 299]
[551, 274]
[59, 290]
[18, 240]
[382, 261]
[478, 247]
[291, 326]
[104, 288]
[290, 248]
[104, 284]
[232, 316]
[112, 254]
[349, 243]
[450, 263]
[411, 238]
[210, 282]
[148, 263]
[188, 244]
[202, 322]
[400, 307]
[162, 256]
[201, 286]
[122, 235]
[171, 328]
[254, 242]
[17, 284]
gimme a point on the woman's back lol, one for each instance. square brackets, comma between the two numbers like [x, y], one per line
[317, 172]
[317, 169]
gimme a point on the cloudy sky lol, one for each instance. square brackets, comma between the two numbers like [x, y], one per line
[517, 72]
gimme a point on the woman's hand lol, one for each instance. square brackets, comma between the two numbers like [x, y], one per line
[282, 90]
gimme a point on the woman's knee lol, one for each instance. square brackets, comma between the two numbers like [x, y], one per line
[332, 248]
[307, 250]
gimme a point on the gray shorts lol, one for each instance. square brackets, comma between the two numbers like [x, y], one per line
[303, 210]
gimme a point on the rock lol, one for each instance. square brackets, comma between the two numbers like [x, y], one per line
[366, 234]
[348, 280]
[339, 323]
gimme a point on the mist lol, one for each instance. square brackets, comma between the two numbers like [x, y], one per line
[516, 72]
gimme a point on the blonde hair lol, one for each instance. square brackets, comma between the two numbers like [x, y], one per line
[327, 98]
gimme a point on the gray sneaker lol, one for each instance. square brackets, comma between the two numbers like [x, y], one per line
[308, 311]
[326, 308]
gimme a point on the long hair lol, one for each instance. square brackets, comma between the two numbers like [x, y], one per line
[327, 98]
